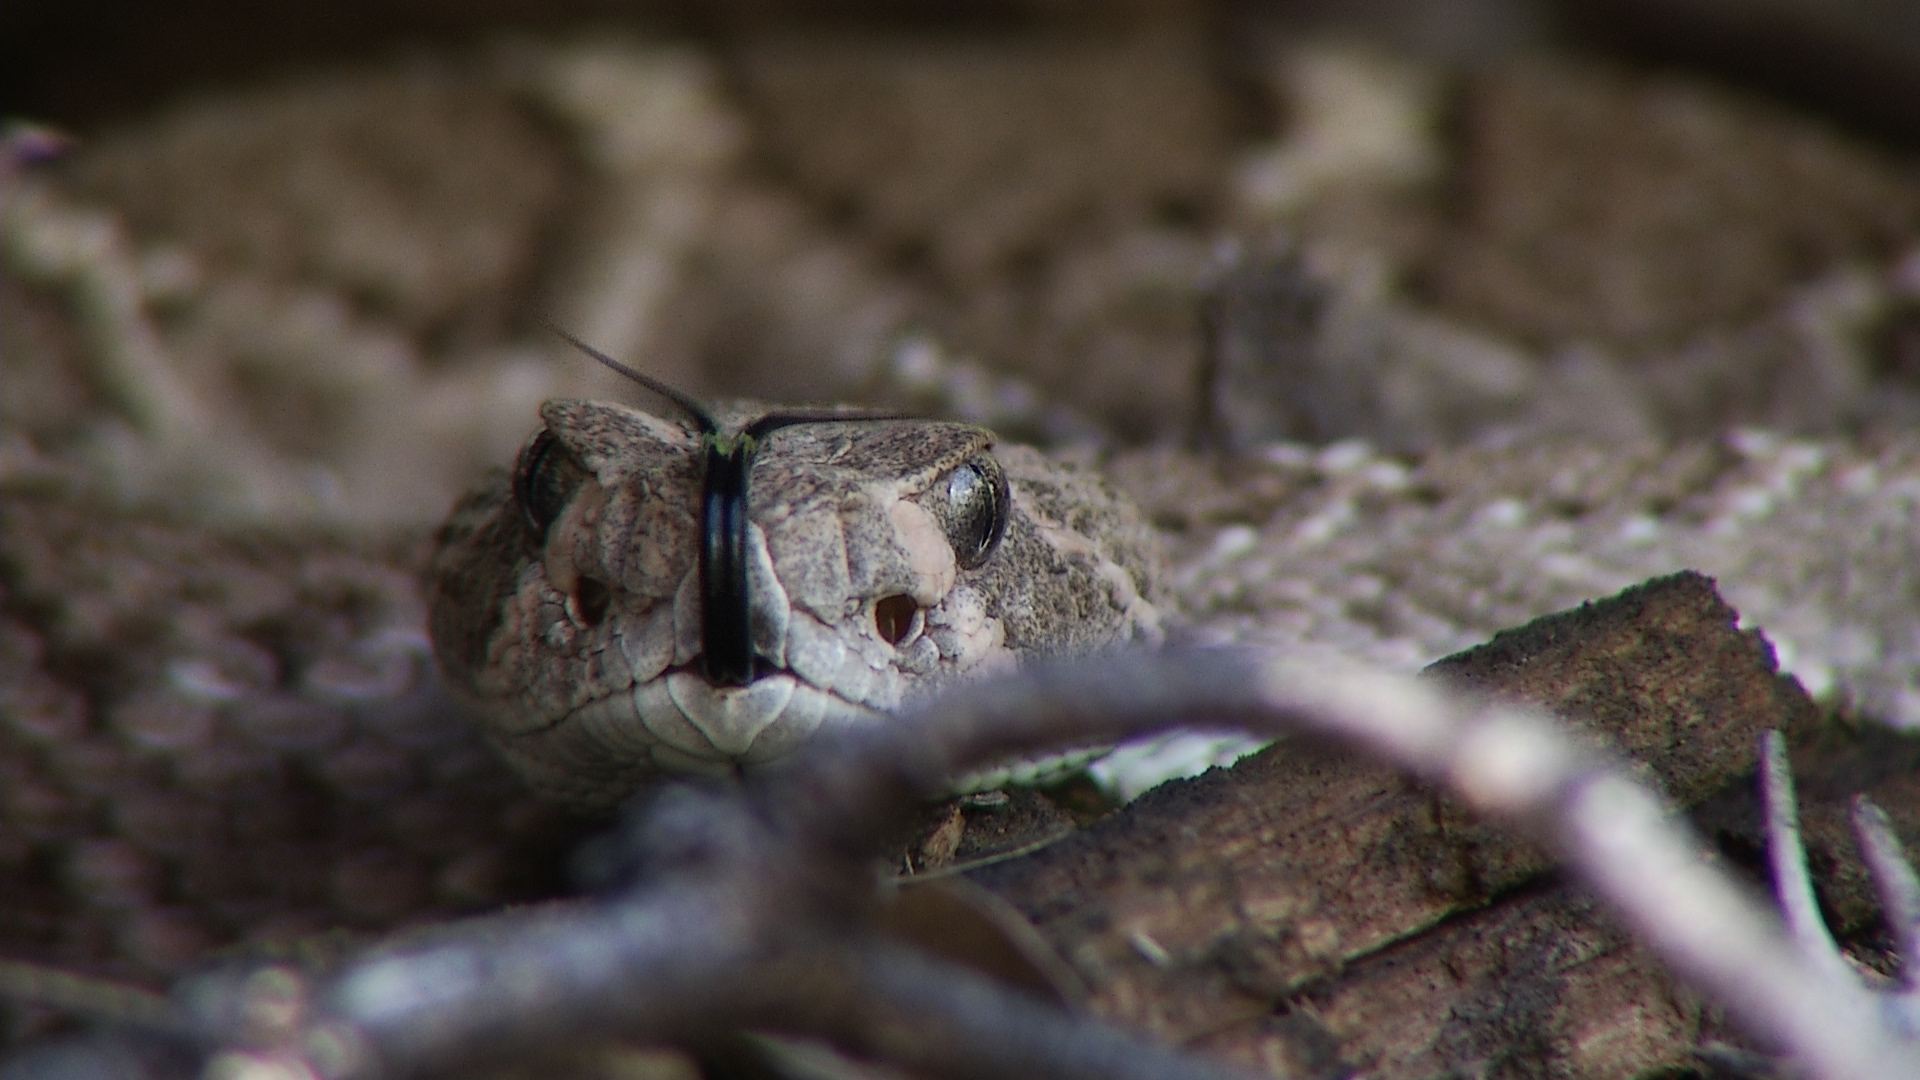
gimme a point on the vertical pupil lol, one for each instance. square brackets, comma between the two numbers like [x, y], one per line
[963, 485]
[971, 499]
[976, 515]
[542, 482]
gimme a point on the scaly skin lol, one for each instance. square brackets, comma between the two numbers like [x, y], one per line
[590, 699]
[162, 791]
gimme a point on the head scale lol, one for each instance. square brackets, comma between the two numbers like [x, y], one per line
[725, 602]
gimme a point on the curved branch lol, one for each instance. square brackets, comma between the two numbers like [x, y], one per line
[754, 921]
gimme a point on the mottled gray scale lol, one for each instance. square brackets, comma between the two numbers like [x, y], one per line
[615, 441]
[813, 550]
[589, 700]
[769, 599]
[1089, 564]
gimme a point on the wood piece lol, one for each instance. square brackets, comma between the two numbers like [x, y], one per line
[1305, 900]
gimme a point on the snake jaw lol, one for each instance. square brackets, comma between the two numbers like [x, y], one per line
[655, 712]
[882, 561]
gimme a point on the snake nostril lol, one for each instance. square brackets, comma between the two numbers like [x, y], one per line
[893, 616]
[590, 601]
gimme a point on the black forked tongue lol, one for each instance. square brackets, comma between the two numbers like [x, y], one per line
[726, 605]
[726, 608]
[726, 602]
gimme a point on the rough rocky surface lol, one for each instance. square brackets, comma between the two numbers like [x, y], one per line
[1403, 563]
[210, 738]
[287, 293]
[256, 340]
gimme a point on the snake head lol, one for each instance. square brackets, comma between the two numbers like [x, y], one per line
[575, 606]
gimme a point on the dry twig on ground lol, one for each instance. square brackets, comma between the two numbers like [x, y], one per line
[750, 906]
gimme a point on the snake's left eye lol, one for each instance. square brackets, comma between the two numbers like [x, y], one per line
[976, 508]
[544, 480]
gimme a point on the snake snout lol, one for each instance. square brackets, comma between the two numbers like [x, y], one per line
[730, 718]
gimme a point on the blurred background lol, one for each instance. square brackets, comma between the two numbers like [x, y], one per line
[296, 260]
[84, 63]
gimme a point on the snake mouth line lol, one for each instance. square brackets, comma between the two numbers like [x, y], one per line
[681, 722]
[763, 669]
[697, 667]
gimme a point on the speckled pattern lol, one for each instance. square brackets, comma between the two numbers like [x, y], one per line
[297, 315]
[843, 516]
[214, 738]
[1815, 542]
[268, 757]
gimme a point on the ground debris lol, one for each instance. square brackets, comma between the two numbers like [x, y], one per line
[1307, 899]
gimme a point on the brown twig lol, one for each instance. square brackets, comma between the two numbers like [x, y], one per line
[748, 909]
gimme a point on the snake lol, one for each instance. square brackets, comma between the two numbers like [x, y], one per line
[641, 596]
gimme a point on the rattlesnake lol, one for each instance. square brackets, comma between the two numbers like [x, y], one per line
[215, 732]
[573, 608]
[578, 613]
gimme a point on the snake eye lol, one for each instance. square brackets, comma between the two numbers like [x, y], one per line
[544, 478]
[977, 505]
